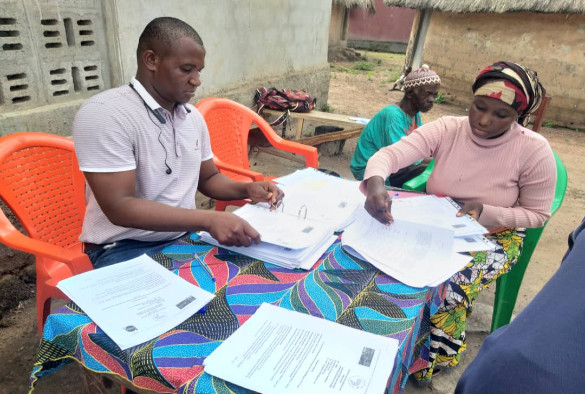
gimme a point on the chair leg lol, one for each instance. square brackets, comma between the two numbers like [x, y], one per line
[508, 285]
[43, 310]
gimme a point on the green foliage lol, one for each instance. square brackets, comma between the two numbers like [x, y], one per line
[333, 75]
[379, 62]
[393, 75]
[327, 108]
[370, 75]
[440, 98]
[549, 123]
[363, 66]
[365, 56]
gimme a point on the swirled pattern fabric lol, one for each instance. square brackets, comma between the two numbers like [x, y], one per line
[339, 288]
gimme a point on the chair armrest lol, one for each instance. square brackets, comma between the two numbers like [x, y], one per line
[310, 153]
[255, 176]
[77, 261]
[419, 183]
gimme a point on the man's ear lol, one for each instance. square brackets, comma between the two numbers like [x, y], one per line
[150, 60]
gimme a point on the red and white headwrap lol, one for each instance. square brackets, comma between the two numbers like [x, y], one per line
[511, 83]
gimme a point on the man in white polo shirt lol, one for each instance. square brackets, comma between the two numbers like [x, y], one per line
[145, 151]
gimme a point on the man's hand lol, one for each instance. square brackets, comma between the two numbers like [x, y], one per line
[472, 209]
[378, 204]
[231, 230]
[265, 192]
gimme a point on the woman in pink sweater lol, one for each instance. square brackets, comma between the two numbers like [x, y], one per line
[503, 173]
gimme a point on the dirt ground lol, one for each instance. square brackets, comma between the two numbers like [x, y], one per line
[356, 89]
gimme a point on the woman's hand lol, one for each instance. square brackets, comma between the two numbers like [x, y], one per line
[378, 204]
[472, 209]
[265, 192]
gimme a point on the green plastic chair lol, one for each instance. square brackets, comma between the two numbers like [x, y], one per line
[507, 286]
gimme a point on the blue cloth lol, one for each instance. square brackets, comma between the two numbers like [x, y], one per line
[385, 128]
[124, 250]
[542, 350]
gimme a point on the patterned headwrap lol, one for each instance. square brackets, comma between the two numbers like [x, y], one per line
[513, 84]
[421, 76]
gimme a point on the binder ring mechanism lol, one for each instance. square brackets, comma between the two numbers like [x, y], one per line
[301, 209]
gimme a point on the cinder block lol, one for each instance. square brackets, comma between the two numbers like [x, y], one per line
[17, 86]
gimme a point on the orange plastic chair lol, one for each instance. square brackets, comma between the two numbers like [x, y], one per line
[229, 124]
[41, 184]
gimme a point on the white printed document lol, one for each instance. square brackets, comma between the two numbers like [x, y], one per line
[136, 300]
[436, 211]
[415, 254]
[282, 351]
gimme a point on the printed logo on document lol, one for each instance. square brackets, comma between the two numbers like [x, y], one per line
[356, 382]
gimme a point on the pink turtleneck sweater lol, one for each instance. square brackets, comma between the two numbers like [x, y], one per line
[513, 176]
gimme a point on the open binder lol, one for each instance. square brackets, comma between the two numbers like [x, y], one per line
[290, 241]
[323, 197]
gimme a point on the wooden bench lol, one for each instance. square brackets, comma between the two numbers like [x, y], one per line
[352, 128]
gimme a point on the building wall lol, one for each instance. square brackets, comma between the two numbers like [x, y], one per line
[338, 26]
[388, 29]
[458, 46]
[57, 53]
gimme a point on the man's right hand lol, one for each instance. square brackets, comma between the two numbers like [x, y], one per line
[231, 230]
[378, 204]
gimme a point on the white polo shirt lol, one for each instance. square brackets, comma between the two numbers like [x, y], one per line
[114, 131]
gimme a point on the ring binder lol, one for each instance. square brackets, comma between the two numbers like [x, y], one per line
[301, 209]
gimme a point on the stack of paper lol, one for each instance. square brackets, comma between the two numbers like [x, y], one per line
[441, 211]
[288, 241]
[281, 351]
[321, 197]
[421, 247]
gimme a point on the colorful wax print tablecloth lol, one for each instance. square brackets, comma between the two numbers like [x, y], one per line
[338, 288]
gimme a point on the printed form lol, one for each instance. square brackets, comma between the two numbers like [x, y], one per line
[415, 254]
[282, 351]
[136, 300]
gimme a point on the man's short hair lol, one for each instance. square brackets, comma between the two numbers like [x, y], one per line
[162, 33]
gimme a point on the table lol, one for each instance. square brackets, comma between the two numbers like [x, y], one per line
[353, 129]
[338, 288]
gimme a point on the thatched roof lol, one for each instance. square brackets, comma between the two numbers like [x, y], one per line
[368, 4]
[497, 6]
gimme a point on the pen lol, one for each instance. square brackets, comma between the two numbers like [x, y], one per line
[389, 200]
[205, 267]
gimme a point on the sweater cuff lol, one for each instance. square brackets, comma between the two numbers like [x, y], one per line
[491, 216]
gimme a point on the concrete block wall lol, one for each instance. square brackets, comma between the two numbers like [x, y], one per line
[52, 52]
[458, 46]
[57, 53]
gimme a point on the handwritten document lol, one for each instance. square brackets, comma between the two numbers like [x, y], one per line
[136, 300]
[282, 351]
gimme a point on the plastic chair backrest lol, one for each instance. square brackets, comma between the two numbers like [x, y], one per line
[41, 183]
[229, 124]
